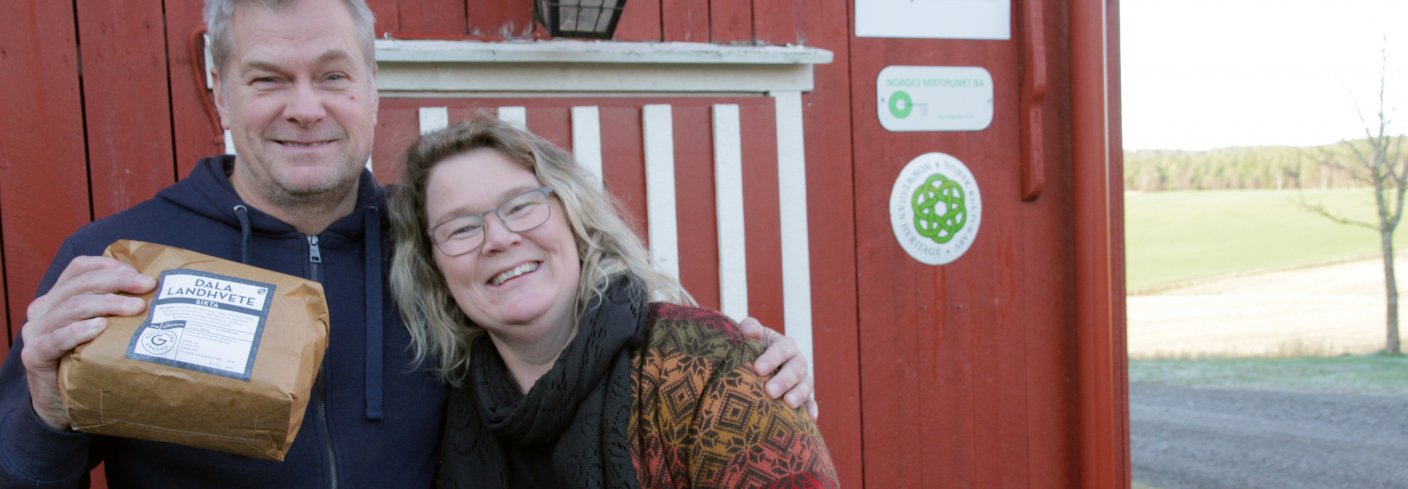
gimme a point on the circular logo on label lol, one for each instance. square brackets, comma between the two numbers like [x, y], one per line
[159, 342]
[901, 104]
[935, 208]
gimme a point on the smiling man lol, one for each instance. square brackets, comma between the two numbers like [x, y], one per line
[297, 91]
[295, 84]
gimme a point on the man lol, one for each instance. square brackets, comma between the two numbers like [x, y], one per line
[294, 80]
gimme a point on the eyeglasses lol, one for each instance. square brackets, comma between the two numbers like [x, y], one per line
[519, 213]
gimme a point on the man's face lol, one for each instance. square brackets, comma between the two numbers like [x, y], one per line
[300, 100]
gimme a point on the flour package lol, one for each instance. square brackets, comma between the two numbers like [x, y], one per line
[223, 359]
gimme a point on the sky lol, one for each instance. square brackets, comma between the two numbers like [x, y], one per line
[1202, 74]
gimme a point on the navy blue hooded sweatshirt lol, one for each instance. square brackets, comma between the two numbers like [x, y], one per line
[374, 418]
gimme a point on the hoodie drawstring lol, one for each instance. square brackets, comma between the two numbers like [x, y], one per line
[372, 223]
[372, 248]
[372, 226]
[242, 213]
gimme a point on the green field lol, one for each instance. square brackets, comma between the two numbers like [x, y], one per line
[1368, 374]
[1180, 237]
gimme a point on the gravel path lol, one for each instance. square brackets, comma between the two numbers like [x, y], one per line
[1184, 437]
[1209, 438]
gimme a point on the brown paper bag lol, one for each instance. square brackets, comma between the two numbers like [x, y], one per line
[224, 358]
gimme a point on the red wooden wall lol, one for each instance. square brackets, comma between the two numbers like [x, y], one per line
[1003, 369]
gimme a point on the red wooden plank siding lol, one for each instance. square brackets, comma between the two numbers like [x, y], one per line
[387, 14]
[500, 20]
[1101, 362]
[891, 385]
[1047, 299]
[831, 226]
[730, 21]
[623, 162]
[397, 127]
[195, 135]
[684, 20]
[435, 18]
[1046, 308]
[640, 22]
[552, 122]
[461, 109]
[991, 279]
[946, 353]
[694, 196]
[758, 124]
[1047, 295]
[41, 142]
[124, 81]
[987, 280]
[776, 21]
[398, 124]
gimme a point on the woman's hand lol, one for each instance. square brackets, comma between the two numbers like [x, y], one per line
[793, 380]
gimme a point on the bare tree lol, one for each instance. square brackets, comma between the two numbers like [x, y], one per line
[1377, 160]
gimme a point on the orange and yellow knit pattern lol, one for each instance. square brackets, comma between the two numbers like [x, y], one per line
[702, 419]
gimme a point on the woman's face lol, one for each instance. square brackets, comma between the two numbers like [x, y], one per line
[518, 286]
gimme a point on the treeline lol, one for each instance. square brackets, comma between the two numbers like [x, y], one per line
[1254, 167]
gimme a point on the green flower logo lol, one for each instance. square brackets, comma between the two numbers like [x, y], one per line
[939, 209]
[901, 104]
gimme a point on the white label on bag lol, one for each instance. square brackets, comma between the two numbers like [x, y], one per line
[204, 322]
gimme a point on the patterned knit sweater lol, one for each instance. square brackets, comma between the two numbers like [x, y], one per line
[702, 419]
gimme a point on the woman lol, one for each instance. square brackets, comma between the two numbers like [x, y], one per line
[520, 281]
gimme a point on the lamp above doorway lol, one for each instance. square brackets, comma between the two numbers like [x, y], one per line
[592, 19]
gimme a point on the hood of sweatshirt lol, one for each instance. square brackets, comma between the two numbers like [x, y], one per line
[207, 191]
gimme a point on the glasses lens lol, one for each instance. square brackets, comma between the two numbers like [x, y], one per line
[459, 235]
[523, 212]
[526, 211]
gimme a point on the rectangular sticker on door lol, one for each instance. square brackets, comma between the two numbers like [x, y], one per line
[934, 98]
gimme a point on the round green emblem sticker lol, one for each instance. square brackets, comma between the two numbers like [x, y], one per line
[935, 208]
[939, 209]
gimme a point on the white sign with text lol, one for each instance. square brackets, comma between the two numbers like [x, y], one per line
[935, 19]
[934, 98]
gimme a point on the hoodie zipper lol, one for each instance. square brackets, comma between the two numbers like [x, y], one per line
[315, 258]
[315, 262]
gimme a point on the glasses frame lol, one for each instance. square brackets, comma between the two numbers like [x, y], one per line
[484, 216]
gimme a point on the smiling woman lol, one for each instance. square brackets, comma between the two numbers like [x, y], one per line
[530, 295]
[516, 281]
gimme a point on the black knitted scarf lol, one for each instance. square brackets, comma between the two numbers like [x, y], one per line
[577, 412]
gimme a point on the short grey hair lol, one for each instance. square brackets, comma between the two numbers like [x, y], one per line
[219, 13]
[606, 245]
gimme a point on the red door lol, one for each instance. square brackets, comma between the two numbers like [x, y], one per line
[974, 372]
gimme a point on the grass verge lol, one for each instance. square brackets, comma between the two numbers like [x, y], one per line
[1349, 374]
